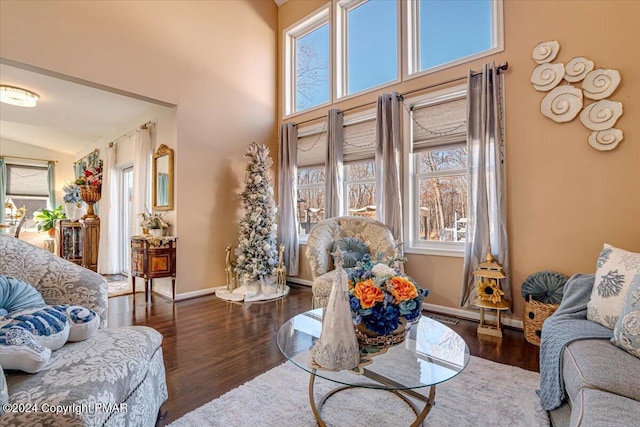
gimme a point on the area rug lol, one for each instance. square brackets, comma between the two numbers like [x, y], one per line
[484, 394]
[119, 287]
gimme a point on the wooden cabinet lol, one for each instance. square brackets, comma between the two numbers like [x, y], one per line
[77, 241]
[153, 258]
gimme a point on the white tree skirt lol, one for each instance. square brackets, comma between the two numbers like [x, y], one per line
[252, 291]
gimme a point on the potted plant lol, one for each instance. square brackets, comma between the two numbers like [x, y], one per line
[45, 219]
[154, 223]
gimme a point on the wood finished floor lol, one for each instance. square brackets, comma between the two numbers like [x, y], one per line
[212, 346]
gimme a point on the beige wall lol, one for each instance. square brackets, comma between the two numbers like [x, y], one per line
[215, 60]
[565, 199]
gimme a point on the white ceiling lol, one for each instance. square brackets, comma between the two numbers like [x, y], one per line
[69, 116]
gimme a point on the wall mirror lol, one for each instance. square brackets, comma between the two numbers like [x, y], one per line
[163, 179]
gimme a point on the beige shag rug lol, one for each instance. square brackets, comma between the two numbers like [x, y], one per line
[484, 394]
[120, 287]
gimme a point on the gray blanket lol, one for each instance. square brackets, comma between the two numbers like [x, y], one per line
[568, 324]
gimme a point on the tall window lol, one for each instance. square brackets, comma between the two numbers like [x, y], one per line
[452, 31]
[367, 54]
[28, 187]
[312, 148]
[437, 182]
[307, 71]
[359, 169]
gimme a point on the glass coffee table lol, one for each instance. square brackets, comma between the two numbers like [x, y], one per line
[431, 354]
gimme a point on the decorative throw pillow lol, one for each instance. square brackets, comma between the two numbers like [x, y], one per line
[83, 322]
[48, 325]
[352, 248]
[626, 333]
[615, 270]
[17, 295]
[19, 350]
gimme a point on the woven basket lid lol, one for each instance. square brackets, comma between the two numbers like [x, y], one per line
[544, 286]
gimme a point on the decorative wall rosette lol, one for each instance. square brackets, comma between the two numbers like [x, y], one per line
[547, 76]
[605, 140]
[600, 83]
[563, 103]
[546, 51]
[601, 115]
[577, 69]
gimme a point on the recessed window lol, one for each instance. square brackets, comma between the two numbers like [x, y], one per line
[307, 63]
[452, 31]
[360, 189]
[368, 44]
[436, 172]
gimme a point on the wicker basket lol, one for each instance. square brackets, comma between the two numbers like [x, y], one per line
[535, 313]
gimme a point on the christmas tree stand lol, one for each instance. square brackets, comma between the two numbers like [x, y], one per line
[253, 290]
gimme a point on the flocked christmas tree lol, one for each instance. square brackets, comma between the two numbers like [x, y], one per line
[257, 257]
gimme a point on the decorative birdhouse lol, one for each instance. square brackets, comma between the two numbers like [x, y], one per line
[489, 274]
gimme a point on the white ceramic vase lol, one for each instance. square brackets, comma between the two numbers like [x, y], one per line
[74, 211]
[156, 232]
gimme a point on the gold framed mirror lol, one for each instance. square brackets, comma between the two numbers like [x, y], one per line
[163, 179]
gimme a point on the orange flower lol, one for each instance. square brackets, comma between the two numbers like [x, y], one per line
[402, 289]
[368, 293]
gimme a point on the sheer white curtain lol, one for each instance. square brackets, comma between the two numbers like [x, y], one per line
[487, 218]
[288, 196]
[388, 196]
[108, 253]
[334, 175]
[141, 197]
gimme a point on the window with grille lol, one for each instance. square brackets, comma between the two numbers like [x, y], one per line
[27, 187]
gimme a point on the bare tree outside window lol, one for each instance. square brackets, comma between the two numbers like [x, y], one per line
[361, 189]
[310, 198]
[442, 185]
[312, 68]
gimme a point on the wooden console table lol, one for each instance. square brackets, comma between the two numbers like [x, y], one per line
[153, 258]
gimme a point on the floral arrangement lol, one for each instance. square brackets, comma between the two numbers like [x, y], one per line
[153, 221]
[381, 295]
[71, 193]
[257, 256]
[91, 175]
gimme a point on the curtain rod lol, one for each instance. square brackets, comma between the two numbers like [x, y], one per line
[502, 67]
[28, 158]
[143, 126]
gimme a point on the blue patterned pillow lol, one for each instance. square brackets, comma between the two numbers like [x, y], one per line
[17, 295]
[48, 325]
[83, 322]
[20, 351]
[352, 248]
[626, 333]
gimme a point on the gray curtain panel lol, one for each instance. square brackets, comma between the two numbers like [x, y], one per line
[334, 175]
[388, 196]
[288, 196]
[487, 218]
[51, 181]
[3, 189]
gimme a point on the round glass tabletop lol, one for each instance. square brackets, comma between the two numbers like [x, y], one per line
[431, 354]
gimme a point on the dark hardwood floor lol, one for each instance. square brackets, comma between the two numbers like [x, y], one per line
[212, 346]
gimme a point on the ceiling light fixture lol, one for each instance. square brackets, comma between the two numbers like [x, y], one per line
[19, 97]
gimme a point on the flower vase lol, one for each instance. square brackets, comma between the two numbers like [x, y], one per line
[74, 210]
[337, 348]
[90, 194]
[156, 232]
[370, 339]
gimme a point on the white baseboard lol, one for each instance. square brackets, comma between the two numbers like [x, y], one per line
[470, 314]
[192, 294]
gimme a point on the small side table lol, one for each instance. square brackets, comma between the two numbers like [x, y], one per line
[49, 245]
[493, 329]
[153, 258]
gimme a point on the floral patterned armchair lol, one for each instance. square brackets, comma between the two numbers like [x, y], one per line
[374, 234]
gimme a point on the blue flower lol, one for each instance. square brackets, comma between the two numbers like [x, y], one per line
[354, 302]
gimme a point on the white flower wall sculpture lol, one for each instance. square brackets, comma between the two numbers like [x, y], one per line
[564, 101]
